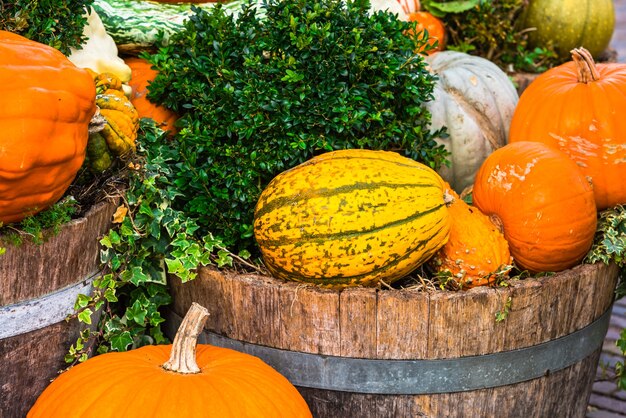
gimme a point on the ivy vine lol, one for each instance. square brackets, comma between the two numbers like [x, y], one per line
[149, 240]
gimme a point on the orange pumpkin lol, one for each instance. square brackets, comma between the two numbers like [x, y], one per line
[577, 108]
[544, 203]
[142, 74]
[476, 254]
[202, 381]
[434, 26]
[45, 108]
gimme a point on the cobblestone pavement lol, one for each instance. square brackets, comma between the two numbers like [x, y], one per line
[606, 400]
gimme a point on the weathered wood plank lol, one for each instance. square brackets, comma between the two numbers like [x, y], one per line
[29, 362]
[309, 319]
[464, 323]
[358, 325]
[402, 318]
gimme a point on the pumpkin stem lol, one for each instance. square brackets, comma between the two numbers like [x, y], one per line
[586, 66]
[183, 355]
[448, 197]
[97, 122]
[497, 222]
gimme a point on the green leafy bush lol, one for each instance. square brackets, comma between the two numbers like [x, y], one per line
[55, 23]
[269, 89]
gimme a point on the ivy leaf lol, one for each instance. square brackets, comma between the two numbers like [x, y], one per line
[85, 316]
[223, 258]
[82, 301]
[109, 295]
[120, 342]
[135, 276]
[137, 312]
[174, 266]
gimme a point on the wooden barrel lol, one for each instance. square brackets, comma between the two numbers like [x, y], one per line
[402, 353]
[38, 287]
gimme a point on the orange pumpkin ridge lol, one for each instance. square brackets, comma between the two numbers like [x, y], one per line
[575, 108]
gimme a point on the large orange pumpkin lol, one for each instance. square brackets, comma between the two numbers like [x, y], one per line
[544, 203]
[45, 108]
[578, 108]
[202, 381]
[142, 74]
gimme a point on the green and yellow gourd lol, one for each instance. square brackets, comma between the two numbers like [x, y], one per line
[351, 217]
[120, 124]
[569, 24]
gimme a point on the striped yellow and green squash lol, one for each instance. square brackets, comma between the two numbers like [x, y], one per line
[351, 217]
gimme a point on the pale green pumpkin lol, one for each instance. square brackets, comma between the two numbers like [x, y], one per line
[569, 24]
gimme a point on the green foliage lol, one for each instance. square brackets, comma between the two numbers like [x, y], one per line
[491, 29]
[441, 8]
[506, 308]
[609, 246]
[55, 23]
[41, 226]
[149, 240]
[267, 90]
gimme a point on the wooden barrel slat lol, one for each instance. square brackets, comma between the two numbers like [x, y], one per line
[421, 326]
[308, 321]
[402, 329]
[24, 358]
[29, 274]
[463, 324]
[357, 325]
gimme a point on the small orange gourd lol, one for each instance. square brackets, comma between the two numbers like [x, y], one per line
[202, 381]
[476, 254]
[544, 203]
[46, 105]
[578, 107]
[142, 75]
